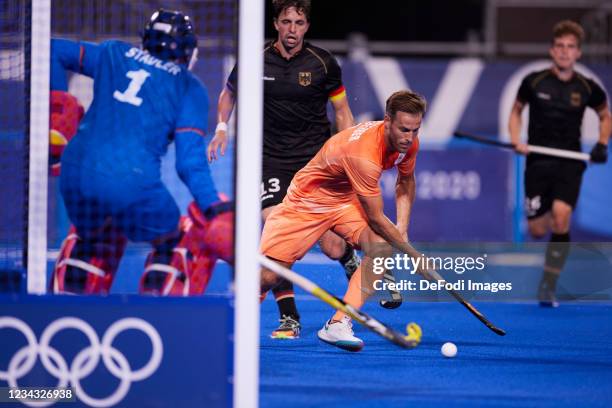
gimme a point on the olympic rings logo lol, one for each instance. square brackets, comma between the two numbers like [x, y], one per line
[85, 361]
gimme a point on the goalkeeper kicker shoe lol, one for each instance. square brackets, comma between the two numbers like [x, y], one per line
[340, 334]
[288, 329]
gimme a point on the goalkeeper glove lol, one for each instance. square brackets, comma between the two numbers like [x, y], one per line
[65, 114]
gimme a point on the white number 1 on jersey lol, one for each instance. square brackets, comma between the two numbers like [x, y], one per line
[130, 94]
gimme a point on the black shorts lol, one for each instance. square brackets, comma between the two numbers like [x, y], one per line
[549, 180]
[275, 180]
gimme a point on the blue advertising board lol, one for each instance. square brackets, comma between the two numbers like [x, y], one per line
[123, 351]
[461, 195]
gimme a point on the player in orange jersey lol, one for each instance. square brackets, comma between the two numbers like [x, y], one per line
[338, 190]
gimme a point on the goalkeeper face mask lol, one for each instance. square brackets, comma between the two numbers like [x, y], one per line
[169, 35]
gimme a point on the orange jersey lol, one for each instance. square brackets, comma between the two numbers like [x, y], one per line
[349, 164]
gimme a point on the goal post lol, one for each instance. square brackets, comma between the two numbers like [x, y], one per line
[248, 169]
[38, 137]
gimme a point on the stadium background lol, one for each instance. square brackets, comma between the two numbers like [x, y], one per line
[465, 57]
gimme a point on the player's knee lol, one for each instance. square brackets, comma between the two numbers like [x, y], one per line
[539, 227]
[561, 226]
[374, 245]
[538, 231]
[332, 245]
[269, 280]
[376, 239]
[561, 218]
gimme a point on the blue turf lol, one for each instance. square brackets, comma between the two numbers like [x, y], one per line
[550, 357]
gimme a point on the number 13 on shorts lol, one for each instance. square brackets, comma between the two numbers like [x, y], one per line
[272, 185]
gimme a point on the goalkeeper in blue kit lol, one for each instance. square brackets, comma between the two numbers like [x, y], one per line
[144, 99]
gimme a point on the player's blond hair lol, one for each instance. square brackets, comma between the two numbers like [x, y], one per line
[568, 27]
[405, 101]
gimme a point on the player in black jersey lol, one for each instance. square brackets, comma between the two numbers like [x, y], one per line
[557, 99]
[299, 79]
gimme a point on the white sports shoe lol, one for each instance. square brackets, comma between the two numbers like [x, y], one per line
[340, 334]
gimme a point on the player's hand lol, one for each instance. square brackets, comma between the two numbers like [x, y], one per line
[521, 148]
[219, 142]
[599, 153]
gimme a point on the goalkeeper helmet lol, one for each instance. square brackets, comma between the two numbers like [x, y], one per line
[169, 36]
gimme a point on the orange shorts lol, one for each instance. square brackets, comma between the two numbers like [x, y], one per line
[288, 234]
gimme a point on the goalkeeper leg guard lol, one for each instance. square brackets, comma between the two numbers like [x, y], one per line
[88, 266]
[201, 272]
[167, 269]
[204, 260]
[206, 237]
[209, 236]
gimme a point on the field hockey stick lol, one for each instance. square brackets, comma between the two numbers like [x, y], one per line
[548, 151]
[406, 341]
[468, 306]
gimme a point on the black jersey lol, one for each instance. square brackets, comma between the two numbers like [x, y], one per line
[556, 107]
[296, 92]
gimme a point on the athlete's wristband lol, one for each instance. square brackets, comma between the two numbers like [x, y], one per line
[221, 126]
